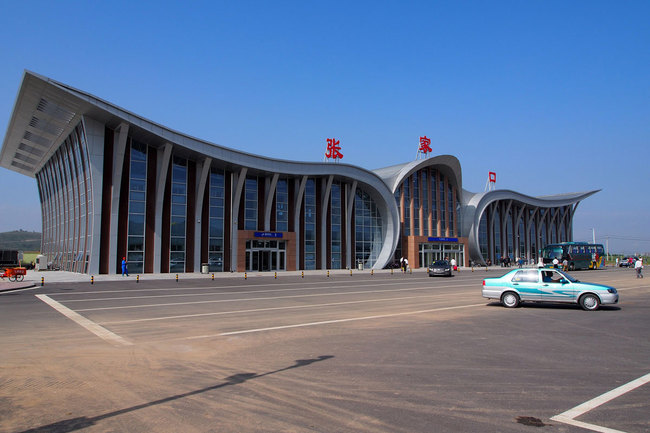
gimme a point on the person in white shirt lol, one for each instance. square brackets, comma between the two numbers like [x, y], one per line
[638, 266]
[453, 264]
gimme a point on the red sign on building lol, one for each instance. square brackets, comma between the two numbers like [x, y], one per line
[493, 177]
[333, 149]
[425, 145]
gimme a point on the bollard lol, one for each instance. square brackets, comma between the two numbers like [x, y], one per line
[213, 276]
[302, 274]
[177, 278]
[245, 275]
[328, 273]
[391, 271]
[92, 279]
[472, 268]
[137, 278]
[276, 276]
[411, 271]
[372, 272]
[350, 271]
[42, 281]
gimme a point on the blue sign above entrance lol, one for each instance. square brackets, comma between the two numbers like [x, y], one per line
[443, 239]
[268, 235]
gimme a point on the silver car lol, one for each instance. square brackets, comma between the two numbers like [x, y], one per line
[547, 285]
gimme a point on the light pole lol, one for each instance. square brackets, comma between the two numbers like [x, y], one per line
[593, 232]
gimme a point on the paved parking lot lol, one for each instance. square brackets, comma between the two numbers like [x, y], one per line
[360, 353]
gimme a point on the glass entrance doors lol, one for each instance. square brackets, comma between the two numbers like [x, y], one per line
[265, 256]
[430, 252]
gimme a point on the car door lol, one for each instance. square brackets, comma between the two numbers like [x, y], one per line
[526, 282]
[556, 288]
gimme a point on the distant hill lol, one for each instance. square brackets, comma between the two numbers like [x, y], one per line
[20, 240]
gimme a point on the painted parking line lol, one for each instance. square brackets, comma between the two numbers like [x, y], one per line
[278, 288]
[91, 326]
[257, 310]
[267, 298]
[329, 322]
[569, 416]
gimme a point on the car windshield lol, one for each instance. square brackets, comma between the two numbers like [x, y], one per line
[569, 277]
[440, 263]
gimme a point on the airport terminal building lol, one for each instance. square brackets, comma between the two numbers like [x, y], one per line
[113, 184]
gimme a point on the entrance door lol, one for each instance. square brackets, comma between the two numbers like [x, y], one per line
[265, 256]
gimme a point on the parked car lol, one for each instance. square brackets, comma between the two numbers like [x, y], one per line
[547, 285]
[625, 262]
[440, 268]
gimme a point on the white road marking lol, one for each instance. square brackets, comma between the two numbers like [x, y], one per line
[284, 283]
[292, 307]
[328, 322]
[569, 416]
[91, 326]
[244, 292]
[216, 301]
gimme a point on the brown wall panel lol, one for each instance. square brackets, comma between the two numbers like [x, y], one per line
[123, 218]
[107, 183]
[166, 219]
[191, 216]
[150, 217]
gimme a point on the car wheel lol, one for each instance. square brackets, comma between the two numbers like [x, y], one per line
[589, 302]
[510, 300]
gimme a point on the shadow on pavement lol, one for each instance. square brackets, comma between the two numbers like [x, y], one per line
[78, 423]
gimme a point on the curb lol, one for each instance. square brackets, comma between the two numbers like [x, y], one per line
[11, 287]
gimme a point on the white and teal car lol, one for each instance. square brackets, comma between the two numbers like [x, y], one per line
[547, 285]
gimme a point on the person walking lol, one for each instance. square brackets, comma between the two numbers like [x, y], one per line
[125, 270]
[638, 266]
[453, 264]
[406, 264]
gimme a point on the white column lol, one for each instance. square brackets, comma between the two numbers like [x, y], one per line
[349, 208]
[323, 227]
[239, 181]
[119, 149]
[200, 191]
[268, 203]
[162, 164]
[298, 199]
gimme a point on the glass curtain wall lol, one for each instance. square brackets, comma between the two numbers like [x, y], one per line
[137, 205]
[178, 215]
[282, 206]
[335, 222]
[406, 186]
[368, 229]
[441, 206]
[416, 205]
[250, 203]
[450, 208]
[216, 231]
[425, 204]
[434, 202]
[310, 224]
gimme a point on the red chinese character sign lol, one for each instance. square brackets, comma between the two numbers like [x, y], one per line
[425, 147]
[333, 149]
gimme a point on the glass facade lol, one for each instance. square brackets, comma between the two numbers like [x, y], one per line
[64, 185]
[250, 204]
[416, 206]
[178, 215]
[310, 224]
[282, 206]
[367, 229]
[407, 206]
[216, 228]
[137, 206]
[335, 221]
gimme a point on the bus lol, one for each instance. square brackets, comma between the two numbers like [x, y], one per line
[580, 255]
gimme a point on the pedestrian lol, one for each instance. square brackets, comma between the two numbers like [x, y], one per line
[125, 270]
[453, 264]
[406, 264]
[565, 265]
[638, 266]
[401, 264]
[555, 262]
[617, 262]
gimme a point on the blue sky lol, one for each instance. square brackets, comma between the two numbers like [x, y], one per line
[553, 96]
